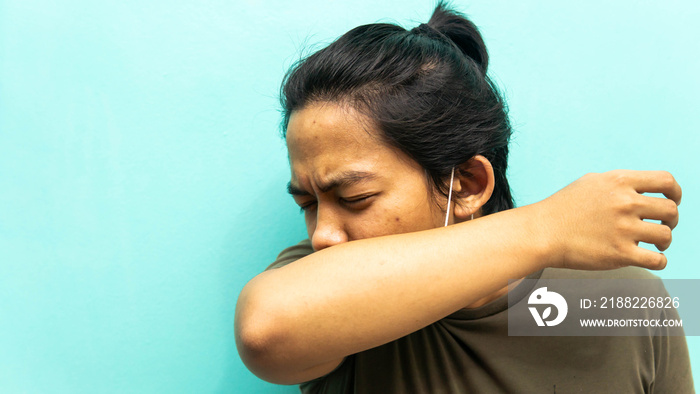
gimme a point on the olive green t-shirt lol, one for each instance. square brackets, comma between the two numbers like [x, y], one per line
[470, 352]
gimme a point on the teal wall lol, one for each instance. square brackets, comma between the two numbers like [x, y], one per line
[142, 177]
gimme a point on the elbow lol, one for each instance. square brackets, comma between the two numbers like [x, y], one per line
[256, 350]
[271, 341]
[259, 339]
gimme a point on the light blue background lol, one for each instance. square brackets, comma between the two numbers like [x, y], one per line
[142, 179]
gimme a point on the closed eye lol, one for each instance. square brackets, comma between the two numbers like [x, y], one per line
[307, 206]
[357, 202]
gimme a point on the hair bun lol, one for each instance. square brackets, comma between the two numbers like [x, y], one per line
[463, 33]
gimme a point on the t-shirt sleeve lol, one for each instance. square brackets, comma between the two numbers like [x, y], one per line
[292, 254]
[672, 362]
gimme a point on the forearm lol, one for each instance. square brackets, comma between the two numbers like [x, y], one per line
[358, 295]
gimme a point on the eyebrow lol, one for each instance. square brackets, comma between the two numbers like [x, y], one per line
[345, 178]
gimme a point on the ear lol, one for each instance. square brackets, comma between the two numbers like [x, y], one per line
[472, 187]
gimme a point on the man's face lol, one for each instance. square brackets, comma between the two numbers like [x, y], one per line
[349, 184]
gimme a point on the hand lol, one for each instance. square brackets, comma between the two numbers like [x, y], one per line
[597, 221]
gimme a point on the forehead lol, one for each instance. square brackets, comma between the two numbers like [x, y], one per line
[325, 139]
[323, 125]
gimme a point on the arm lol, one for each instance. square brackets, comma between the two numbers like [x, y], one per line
[298, 322]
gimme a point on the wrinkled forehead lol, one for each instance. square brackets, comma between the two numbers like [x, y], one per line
[329, 128]
[325, 138]
[328, 122]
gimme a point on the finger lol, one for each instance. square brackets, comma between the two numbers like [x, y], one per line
[657, 182]
[648, 259]
[654, 233]
[657, 208]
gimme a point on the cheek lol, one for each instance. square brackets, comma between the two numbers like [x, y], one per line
[394, 223]
[410, 211]
[425, 218]
[420, 213]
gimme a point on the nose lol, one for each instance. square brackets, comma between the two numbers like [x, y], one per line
[329, 231]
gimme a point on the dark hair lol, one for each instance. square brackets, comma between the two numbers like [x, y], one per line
[425, 89]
